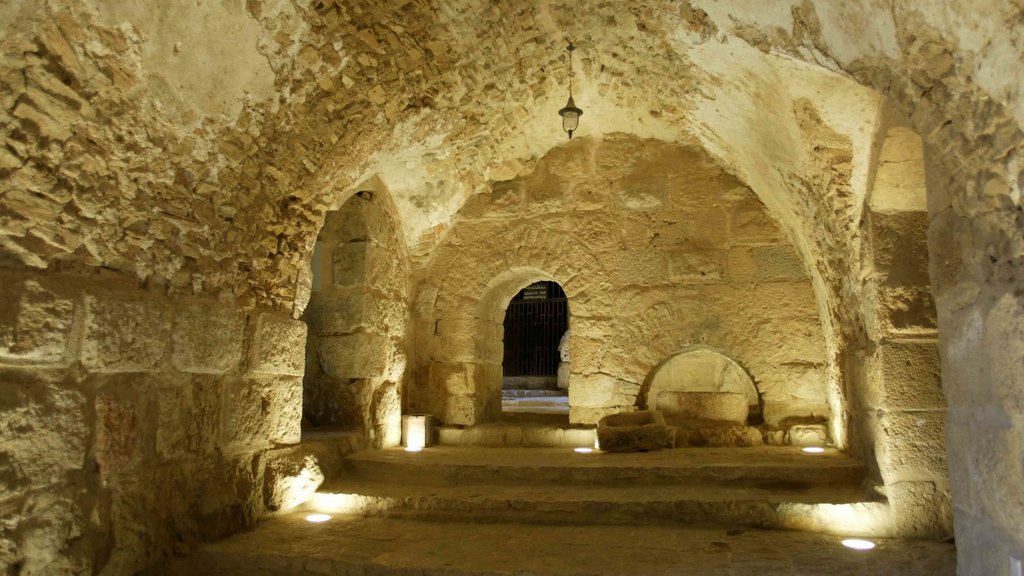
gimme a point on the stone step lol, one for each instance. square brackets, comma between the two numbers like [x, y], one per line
[526, 435]
[794, 505]
[734, 467]
[352, 545]
[535, 394]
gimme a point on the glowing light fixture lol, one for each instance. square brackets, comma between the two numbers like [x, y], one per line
[570, 114]
[858, 544]
[416, 431]
[583, 450]
[814, 449]
[318, 518]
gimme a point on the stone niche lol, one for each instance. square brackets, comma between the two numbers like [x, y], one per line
[357, 314]
[702, 384]
[658, 250]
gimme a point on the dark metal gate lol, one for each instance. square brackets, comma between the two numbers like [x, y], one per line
[535, 321]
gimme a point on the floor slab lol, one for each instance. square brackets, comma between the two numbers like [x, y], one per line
[349, 545]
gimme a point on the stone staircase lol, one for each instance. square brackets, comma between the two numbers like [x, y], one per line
[450, 495]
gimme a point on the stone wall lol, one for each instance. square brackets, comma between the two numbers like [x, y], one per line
[657, 249]
[357, 314]
[132, 424]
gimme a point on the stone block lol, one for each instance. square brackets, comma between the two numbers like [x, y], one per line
[461, 411]
[907, 309]
[750, 223]
[921, 509]
[718, 437]
[996, 453]
[807, 435]
[259, 412]
[779, 262]
[639, 431]
[720, 406]
[793, 411]
[451, 436]
[579, 437]
[910, 374]
[278, 346]
[911, 446]
[188, 410]
[125, 422]
[43, 429]
[592, 390]
[645, 192]
[899, 242]
[123, 335]
[386, 415]
[452, 378]
[290, 477]
[35, 323]
[348, 264]
[207, 337]
[359, 355]
[695, 267]
[489, 436]
[741, 265]
[543, 436]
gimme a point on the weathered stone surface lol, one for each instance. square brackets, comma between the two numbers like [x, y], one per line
[807, 435]
[260, 412]
[44, 432]
[35, 323]
[718, 437]
[360, 355]
[207, 337]
[189, 416]
[290, 477]
[278, 346]
[639, 431]
[723, 406]
[124, 335]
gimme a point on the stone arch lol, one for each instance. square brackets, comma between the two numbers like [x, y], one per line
[356, 314]
[698, 369]
[491, 316]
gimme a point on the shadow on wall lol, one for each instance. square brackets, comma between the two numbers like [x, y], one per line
[357, 315]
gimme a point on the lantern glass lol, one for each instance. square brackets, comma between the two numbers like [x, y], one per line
[570, 120]
[570, 116]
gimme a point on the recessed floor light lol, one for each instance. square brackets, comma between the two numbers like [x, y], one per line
[814, 449]
[413, 449]
[858, 544]
[318, 518]
[583, 450]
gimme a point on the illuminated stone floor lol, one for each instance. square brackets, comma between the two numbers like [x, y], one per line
[349, 545]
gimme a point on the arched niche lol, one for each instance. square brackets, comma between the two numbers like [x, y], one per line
[699, 369]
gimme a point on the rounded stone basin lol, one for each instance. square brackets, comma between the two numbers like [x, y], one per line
[721, 406]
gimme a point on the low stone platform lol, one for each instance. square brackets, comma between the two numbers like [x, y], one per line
[793, 505]
[518, 434]
[350, 545]
[446, 465]
[752, 487]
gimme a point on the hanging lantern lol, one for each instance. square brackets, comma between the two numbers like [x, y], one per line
[570, 114]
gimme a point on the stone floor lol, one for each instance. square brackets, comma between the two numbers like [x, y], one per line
[349, 545]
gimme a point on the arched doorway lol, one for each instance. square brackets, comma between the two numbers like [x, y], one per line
[535, 360]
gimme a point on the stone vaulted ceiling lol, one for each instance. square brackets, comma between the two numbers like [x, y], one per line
[197, 145]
